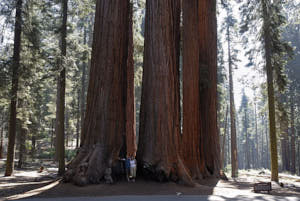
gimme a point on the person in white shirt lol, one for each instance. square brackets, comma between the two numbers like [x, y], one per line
[132, 169]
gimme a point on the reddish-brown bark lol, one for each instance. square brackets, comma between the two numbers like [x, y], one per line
[130, 101]
[159, 150]
[106, 112]
[200, 137]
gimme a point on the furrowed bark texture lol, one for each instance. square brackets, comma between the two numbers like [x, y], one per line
[105, 120]
[130, 101]
[159, 151]
[14, 91]
[200, 137]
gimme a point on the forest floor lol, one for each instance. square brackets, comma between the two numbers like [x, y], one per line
[28, 182]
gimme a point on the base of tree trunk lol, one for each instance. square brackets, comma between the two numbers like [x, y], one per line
[93, 165]
[162, 173]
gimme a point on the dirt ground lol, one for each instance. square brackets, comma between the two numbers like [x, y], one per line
[29, 183]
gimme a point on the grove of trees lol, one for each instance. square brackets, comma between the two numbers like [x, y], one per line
[87, 83]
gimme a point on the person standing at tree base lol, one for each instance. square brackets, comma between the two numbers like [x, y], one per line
[132, 175]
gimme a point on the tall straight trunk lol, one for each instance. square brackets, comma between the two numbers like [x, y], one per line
[223, 156]
[159, 151]
[271, 99]
[83, 85]
[293, 139]
[33, 146]
[14, 91]
[61, 90]
[234, 155]
[105, 119]
[200, 137]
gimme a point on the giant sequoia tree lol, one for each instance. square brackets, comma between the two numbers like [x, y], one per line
[200, 138]
[159, 148]
[110, 111]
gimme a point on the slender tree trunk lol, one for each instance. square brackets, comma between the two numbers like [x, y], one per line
[67, 128]
[52, 133]
[14, 91]
[33, 146]
[61, 90]
[105, 120]
[247, 150]
[83, 86]
[78, 120]
[1, 139]
[223, 156]
[271, 101]
[201, 148]
[234, 155]
[293, 139]
[22, 149]
[262, 143]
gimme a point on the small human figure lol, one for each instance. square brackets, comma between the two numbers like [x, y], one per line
[132, 169]
[127, 168]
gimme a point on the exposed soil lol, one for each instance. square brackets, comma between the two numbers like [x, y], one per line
[28, 182]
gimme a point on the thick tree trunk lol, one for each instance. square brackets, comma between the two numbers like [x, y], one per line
[61, 90]
[201, 149]
[14, 91]
[159, 151]
[271, 101]
[105, 121]
[293, 139]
